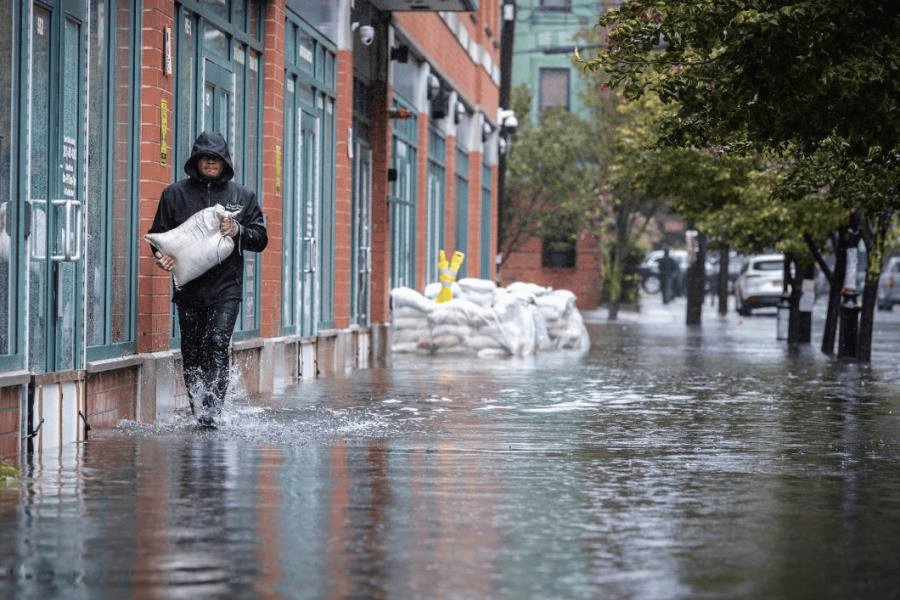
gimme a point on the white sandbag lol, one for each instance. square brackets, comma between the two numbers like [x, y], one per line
[493, 353]
[413, 336]
[459, 312]
[556, 305]
[419, 322]
[408, 297]
[479, 291]
[405, 347]
[520, 287]
[196, 245]
[444, 341]
[480, 342]
[461, 331]
[408, 312]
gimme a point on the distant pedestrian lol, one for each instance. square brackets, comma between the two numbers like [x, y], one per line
[208, 305]
[668, 276]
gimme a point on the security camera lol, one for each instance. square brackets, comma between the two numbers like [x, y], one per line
[508, 121]
[366, 34]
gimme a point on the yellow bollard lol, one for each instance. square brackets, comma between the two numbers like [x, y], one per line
[447, 274]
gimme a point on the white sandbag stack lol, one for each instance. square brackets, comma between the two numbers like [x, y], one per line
[479, 291]
[486, 320]
[409, 319]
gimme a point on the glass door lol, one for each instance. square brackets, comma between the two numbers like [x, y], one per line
[55, 189]
[308, 219]
[218, 100]
[362, 236]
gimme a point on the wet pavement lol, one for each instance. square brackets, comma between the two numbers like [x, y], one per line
[669, 462]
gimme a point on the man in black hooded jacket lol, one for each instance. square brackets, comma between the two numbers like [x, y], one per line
[208, 306]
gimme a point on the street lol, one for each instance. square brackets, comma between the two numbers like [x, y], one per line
[668, 462]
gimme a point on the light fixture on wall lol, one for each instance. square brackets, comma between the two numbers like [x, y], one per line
[486, 131]
[434, 86]
[366, 33]
[460, 112]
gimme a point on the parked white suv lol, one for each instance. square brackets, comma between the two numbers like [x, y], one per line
[889, 284]
[759, 283]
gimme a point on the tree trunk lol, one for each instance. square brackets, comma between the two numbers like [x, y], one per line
[617, 265]
[722, 282]
[696, 283]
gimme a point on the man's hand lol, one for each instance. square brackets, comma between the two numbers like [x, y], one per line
[166, 263]
[228, 226]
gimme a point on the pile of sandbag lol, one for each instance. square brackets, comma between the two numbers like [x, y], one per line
[486, 320]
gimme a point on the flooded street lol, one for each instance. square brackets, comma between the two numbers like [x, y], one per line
[669, 462]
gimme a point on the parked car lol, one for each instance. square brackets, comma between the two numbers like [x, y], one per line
[649, 271]
[889, 285]
[759, 284]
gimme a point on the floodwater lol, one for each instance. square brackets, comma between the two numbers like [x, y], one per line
[669, 462]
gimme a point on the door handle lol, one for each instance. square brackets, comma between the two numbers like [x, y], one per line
[71, 244]
[36, 217]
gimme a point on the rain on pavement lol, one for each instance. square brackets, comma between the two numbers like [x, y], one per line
[668, 462]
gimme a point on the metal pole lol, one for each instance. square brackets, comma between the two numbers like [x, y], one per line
[507, 36]
[848, 333]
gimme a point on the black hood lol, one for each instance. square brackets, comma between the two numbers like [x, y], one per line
[210, 143]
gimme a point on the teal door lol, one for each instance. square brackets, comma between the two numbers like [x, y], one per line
[54, 189]
[308, 220]
[218, 99]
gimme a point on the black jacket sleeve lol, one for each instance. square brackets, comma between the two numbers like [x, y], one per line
[163, 220]
[252, 235]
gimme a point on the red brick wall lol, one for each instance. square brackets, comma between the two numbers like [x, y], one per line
[431, 34]
[380, 140]
[272, 199]
[585, 279]
[153, 284]
[343, 201]
[111, 396]
[10, 398]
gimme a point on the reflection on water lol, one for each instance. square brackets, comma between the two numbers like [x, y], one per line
[666, 463]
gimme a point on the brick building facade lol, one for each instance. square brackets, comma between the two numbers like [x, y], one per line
[367, 132]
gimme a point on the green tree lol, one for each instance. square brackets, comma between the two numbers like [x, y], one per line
[812, 82]
[551, 186]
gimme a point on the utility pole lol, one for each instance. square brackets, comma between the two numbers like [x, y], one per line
[507, 35]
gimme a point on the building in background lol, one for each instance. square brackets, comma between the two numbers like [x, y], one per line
[546, 33]
[367, 129]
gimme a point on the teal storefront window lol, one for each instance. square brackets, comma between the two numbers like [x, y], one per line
[487, 246]
[462, 208]
[403, 199]
[9, 301]
[308, 179]
[111, 226]
[435, 217]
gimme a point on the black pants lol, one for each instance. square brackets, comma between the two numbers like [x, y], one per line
[205, 340]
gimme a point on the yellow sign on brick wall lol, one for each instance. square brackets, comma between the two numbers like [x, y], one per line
[164, 131]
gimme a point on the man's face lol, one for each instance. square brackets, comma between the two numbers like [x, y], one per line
[210, 166]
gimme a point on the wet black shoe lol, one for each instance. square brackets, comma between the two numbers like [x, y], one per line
[206, 421]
